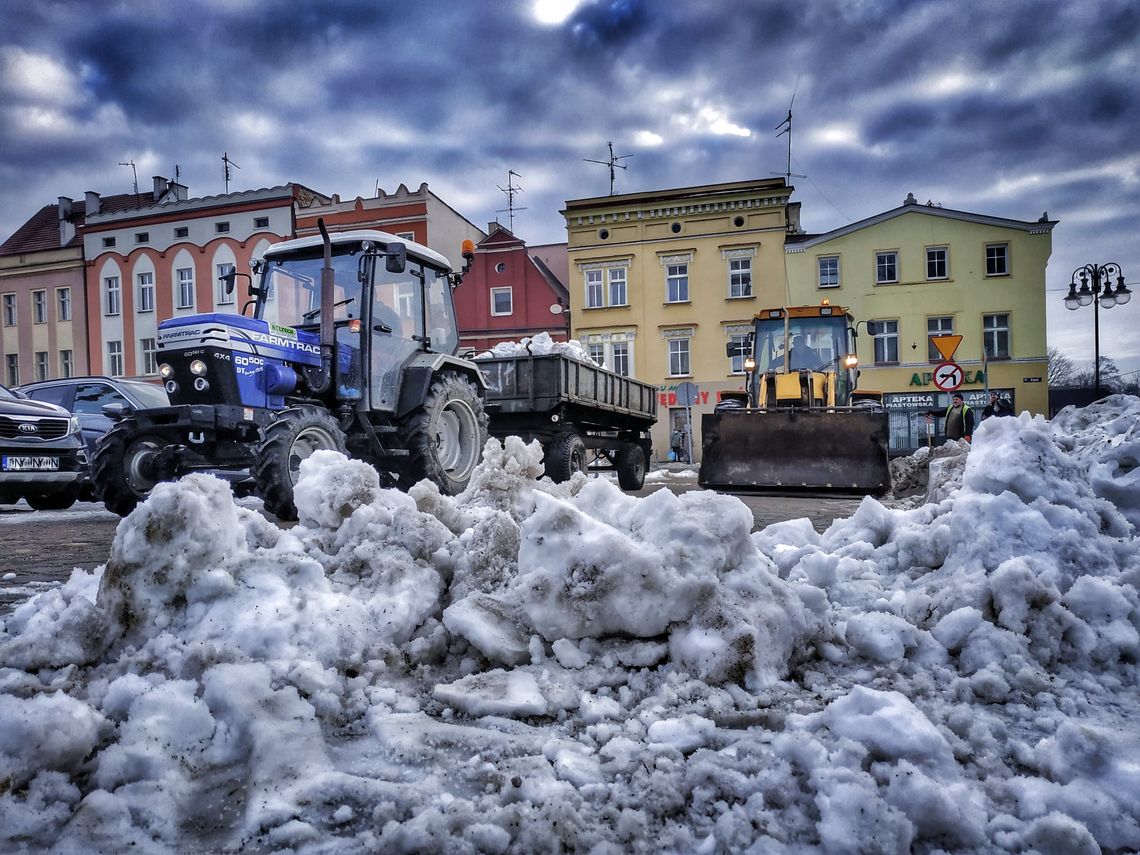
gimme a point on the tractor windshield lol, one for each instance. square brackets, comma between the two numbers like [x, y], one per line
[292, 288]
[811, 343]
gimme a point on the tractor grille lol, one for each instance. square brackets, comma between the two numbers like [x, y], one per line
[34, 428]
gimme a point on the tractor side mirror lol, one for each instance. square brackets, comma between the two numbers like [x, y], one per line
[396, 258]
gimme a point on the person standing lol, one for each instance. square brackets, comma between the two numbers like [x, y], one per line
[677, 443]
[959, 419]
[998, 406]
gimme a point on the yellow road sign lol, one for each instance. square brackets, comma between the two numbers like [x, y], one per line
[946, 345]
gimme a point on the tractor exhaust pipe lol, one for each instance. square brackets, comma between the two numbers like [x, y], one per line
[328, 331]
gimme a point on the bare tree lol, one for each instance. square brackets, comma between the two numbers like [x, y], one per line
[1062, 371]
[1110, 380]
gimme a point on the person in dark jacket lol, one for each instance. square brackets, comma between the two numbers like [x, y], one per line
[959, 419]
[998, 406]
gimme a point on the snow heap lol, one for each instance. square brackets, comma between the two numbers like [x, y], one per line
[530, 666]
[539, 345]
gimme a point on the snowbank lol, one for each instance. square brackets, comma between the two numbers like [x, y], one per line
[529, 666]
[539, 345]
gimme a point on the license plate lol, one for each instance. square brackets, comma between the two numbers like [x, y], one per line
[30, 464]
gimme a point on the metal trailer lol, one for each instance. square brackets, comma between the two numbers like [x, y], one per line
[573, 409]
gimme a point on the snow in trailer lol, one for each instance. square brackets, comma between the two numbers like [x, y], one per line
[531, 667]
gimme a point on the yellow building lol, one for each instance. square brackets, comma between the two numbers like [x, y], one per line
[661, 282]
[920, 271]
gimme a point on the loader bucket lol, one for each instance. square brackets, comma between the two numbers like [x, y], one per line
[842, 450]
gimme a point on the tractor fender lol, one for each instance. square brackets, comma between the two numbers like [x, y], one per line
[422, 368]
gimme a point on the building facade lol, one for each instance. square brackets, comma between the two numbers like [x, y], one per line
[661, 282]
[919, 272]
[165, 258]
[508, 294]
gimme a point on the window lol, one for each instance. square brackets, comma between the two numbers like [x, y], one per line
[113, 295]
[936, 263]
[66, 363]
[39, 307]
[63, 303]
[621, 358]
[142, 237]
[186, 287]
[740, 277]
[41, 365]
[146, 292]
[115, 358]
[90, 398]
[597, 352]
[995, 336]
[886, 267]
[501, 267]
[676, 283]
[9, 310]
[678, 357]
[501, 303]
[147, 351]
[261, 222]
[886, 340]
[13, 361]
[740, 348]
[618, 295]
[936, 327]
[221, 228]
[829, 271]
[400, 235]
[997, 259]
[108, 242]
[225, 298]
[593, 290]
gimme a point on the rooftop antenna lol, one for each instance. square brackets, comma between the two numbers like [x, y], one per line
[787, 129]
[177, 173]
[135, 173]
[228, 163]
[611, 163]
[511, 190]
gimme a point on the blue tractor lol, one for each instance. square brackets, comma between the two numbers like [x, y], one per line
[349, 344]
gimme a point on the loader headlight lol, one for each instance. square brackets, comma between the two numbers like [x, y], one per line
[198, 368]
[165, 371]
[749, 363]
[850, 360]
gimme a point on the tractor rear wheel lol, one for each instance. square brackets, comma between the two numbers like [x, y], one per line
[120, 472]
[565, 455]
[293, 437]
[445, 437]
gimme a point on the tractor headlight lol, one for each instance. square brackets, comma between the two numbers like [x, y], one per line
[198, 368]
[165, 371]
[201, 384]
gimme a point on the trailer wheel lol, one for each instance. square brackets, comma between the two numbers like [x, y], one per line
[293, 437]
[565, 455]
[445, 437]
[630, 463]
[57, 501]
[119, 472]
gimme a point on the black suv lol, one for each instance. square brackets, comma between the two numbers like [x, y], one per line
[42, 455]
[85, 397]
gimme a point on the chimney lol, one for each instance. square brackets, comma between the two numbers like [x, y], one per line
[910, 200]
[181, 191]
[92, 203]
[66, 226]
[161, 185]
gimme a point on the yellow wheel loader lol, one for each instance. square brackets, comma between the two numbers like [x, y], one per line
[800, 425]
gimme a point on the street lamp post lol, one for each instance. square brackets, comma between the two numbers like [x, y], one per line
[1096, 288]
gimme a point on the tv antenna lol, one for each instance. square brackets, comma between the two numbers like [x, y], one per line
[135, 173]
[612, 163]
[228, 163]
[511, 190]
[787, 129]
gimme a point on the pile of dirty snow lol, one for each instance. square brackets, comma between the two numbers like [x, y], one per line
[539, 345]
[530, 666]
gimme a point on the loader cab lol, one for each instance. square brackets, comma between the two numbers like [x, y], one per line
[787, 341]
[391, 299]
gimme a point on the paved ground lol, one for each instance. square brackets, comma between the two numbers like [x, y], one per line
[41, 548]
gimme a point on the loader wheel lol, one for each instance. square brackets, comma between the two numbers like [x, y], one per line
[293, 437]
[445, 437]
[630, 462]
[565, 455]
[119, 471]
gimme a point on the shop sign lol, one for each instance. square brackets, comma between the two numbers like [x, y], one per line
[926, 378]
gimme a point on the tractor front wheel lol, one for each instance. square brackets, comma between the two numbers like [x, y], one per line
[445, 437]
[121, 472]
[293, 437]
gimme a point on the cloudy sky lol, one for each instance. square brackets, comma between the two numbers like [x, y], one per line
[1007, 108]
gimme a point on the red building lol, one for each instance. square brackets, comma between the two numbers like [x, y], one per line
[508, 295]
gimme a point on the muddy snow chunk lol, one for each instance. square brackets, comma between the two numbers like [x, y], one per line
[490, 626]
[506, 693]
